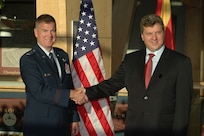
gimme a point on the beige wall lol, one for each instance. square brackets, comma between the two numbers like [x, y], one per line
[57, 8]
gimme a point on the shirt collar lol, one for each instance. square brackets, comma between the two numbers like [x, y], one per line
[157, 53]
[46, 52]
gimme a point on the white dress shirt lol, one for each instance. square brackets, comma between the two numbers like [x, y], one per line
[155, 59]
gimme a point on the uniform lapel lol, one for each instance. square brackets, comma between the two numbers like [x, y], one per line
[61, 62]
[45, 59]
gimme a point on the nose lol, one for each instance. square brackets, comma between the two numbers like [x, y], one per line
[154, 36]
[50, 33]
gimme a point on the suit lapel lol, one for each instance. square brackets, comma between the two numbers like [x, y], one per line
[161, 67]
[136, 64]
[142, 66]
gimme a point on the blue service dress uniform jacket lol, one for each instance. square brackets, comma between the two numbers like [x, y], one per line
[48, 111]
[163, 108]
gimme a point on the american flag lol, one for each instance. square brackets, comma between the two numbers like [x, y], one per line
[163, 9]
[88, 70]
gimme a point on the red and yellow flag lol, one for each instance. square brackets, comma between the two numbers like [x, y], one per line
[163, 9]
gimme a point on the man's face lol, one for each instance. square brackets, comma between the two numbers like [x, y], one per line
[45, 34]
[153, 37]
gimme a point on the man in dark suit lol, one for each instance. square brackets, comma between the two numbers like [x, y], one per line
[49, 110]
[163, 107]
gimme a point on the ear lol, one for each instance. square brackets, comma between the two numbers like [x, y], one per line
[35, 32]
[142, 36]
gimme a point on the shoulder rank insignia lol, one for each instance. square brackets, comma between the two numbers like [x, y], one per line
[30, 52]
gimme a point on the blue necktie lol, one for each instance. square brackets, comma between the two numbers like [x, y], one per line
[53, 60]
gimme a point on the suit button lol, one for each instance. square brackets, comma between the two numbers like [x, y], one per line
[145, 97]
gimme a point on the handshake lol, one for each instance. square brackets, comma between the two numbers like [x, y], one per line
[79, 96]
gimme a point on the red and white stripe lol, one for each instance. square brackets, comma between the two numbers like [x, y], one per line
[96, 119]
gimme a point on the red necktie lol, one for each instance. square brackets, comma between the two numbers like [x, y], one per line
[148, 70]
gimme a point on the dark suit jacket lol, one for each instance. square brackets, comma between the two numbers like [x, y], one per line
[48, 111]
[163, 108]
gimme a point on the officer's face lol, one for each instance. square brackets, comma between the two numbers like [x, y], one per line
[45, 34]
